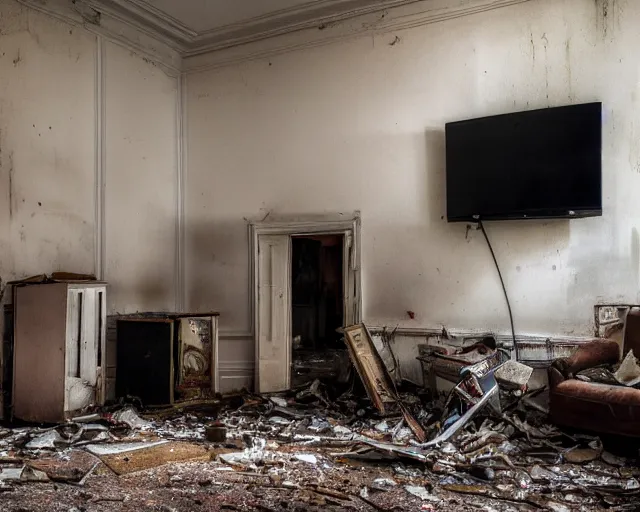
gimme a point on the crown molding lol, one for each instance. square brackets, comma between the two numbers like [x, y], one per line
[148, 18]
[125, 33]
[316, 16]
[156, 23]
[144, 29]
[402, 17]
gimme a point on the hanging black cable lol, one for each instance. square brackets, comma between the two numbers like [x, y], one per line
[504, 288]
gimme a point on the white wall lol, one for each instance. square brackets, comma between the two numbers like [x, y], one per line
[141, 191]
[50, 105]
[359, 125]
[46, 145]
[88, 162]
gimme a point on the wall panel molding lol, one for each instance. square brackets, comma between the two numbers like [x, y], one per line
[100, 233]
[181, 168]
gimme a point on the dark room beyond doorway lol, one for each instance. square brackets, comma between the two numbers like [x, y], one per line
[317, 308]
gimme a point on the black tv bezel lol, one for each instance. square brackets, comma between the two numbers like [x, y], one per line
[531, 214]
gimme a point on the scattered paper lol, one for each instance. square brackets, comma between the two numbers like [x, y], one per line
[629, 371]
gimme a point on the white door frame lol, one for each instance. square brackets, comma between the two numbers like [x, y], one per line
[325, 225]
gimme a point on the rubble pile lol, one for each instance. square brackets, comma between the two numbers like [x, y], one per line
[370, 444]
[304, 449]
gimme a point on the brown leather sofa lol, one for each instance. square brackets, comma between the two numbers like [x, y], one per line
[593, 406]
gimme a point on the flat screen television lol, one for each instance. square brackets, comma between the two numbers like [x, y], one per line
[537, 164]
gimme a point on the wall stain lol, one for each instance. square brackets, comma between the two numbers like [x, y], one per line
[17, 60]
[533, 49]
[89, 15]
[546, 62]
[6, 163]
[11, 185]
[567, 52]
[635, 256]
[605, 23]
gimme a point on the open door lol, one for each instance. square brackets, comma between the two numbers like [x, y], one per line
[350, 288]
[274, 313]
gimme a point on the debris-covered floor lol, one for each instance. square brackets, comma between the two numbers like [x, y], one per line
[306, 450]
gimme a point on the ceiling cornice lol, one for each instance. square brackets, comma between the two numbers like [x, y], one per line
[316, 15]
[123, 33]
[143, 28]
[403, 17]
[189, 42]
[146, 17]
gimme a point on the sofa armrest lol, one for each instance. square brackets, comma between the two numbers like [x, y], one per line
[555, 376]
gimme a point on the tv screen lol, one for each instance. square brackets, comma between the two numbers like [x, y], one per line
[538, 164]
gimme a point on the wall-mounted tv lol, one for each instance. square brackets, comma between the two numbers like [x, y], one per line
[537, 164]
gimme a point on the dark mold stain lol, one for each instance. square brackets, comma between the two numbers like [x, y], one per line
[533, 48]
[17, 60]
[89, 15]
[567, 51]
[605, 10]
[546, 63]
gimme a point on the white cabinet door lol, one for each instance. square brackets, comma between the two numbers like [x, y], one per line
[84, 347]
[274, 313]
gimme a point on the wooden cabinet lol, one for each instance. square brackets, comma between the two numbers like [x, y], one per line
[163, 358]
[59, 349]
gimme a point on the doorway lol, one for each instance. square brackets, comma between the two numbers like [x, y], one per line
[317, 309]
[306, 284]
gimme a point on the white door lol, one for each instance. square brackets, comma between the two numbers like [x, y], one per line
[274, 313]
[350, 289]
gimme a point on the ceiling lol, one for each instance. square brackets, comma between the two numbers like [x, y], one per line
[199, 26]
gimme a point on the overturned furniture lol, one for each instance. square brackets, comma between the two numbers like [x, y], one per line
[596, 406]
[59, 349]
[163, 358]
[375, 376]
[442, 364]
